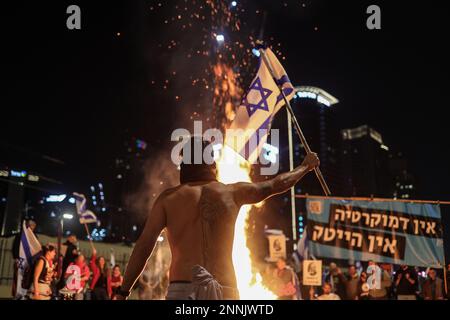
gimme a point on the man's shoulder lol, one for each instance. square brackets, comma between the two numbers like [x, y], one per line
[192, 188]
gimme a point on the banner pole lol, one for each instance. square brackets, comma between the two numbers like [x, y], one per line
[319, 175]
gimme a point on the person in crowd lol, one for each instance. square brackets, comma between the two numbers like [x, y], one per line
[432, 288]
[43, 274]
[285, 281]
[327, 294]
[84, 275]
[16, 256]
[116, 280]
[333, 278]
[406, 283]
[378, 291]
[351, 282]
[72, 252]
[363, 287]
[101, 278]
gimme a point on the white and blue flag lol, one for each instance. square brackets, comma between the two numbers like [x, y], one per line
[259, 105]
[302, 246]
[85, 215]
[29, 250]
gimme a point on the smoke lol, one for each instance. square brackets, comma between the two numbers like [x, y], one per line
[159, 174]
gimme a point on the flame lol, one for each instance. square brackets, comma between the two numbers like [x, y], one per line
[227, 92]
[231, 169]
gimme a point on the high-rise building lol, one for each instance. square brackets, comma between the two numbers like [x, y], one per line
[127, 173]
[405, 183]
[26, 178]
[366, 163]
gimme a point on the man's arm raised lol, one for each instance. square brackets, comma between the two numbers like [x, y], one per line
[248, 193]
[156, 222]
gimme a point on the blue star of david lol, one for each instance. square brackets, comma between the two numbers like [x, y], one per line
[21, 264]
[262, 104]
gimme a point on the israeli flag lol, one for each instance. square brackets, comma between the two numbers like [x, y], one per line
[260, 103]
[85, 216]
[88, 217]
[80, 202]
[302, 247]
[29, 250]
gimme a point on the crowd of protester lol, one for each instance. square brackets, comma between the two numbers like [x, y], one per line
[402, 283]
[97, 280]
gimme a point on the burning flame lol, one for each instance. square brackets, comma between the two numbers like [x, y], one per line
[231, 169]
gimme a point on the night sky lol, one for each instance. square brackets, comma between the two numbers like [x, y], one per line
[71, 94]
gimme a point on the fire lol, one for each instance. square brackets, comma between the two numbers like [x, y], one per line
[231, 169]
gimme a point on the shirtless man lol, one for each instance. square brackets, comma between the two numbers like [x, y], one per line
[200, 216]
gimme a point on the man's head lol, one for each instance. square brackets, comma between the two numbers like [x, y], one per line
[31, 224]
[72, 238]
[352, 270]
[192, 170]
[281, 263]
[403, 267]
[326, 288]
[333, 268]
[432, 274]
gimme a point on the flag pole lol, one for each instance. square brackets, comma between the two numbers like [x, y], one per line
[89, 236]
[319, 175]
[291, 167]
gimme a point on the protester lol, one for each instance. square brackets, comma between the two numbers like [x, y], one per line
[84, 275]
[351, 282]
[101, 278]
[327, 294]
[202, 236]
[285, 281]
[333, 278]
[363, 287]
[378, 291]
[16, 255]
[116, 280]
[432, 288]
[406, 283]
[43, 274]
[72, 252]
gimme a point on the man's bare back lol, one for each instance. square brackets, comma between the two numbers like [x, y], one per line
[200, 218]
[200, 227]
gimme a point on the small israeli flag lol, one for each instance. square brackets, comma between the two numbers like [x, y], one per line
[85, 216]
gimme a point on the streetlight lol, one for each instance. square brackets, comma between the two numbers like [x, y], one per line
[68, 216]
[220, 38]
